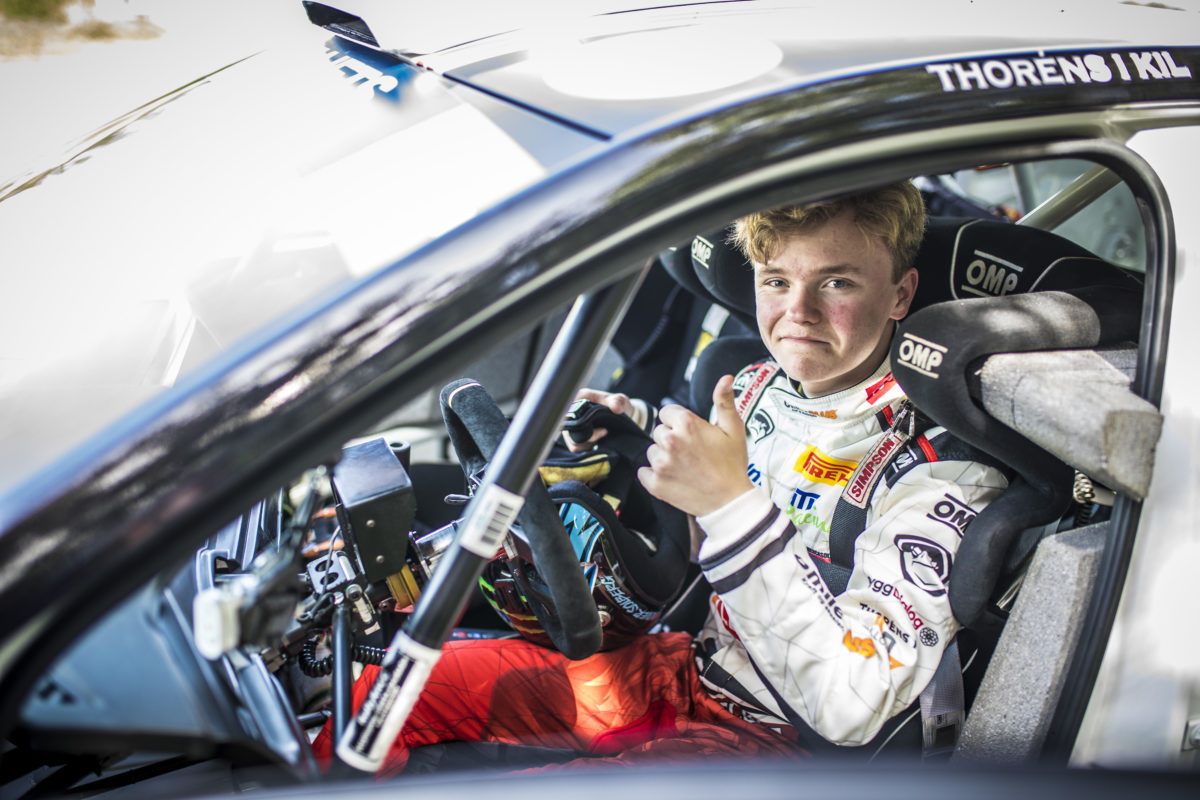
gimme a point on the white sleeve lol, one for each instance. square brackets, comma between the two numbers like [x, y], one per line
[846, 664]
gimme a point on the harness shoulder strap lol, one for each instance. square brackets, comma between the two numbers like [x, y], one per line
[850, 516]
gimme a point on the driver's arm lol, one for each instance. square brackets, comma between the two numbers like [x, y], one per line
[844, 664]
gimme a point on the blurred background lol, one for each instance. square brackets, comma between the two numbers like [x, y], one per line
[67, 67]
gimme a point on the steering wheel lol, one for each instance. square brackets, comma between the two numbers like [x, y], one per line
[476, 425]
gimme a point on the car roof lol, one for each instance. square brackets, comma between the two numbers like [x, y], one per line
[614, 68]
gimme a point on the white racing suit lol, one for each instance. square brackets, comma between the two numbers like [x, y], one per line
[845, 664]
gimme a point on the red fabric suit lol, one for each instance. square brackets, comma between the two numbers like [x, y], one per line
[642, 701]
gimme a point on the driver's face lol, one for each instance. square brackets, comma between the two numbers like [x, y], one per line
[826, 305]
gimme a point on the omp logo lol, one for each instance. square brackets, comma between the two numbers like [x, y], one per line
[921, 355]
[953, 513]
[816, 466]
[990, 276]
[701, 251]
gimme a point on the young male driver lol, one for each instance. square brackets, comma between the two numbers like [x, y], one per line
[762, 480]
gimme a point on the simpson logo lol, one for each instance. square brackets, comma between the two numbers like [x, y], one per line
[816, 466]
[1059, 70]
[990, 276]
[921, 355]
[751, 384]
[926, 564]
[953, 513]
[862, 483]
[701, 251]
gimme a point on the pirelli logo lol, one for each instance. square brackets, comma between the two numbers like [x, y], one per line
[816, 466]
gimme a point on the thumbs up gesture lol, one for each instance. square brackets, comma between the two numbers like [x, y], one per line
[695, 465]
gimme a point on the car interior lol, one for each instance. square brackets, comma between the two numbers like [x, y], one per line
[1023, 341]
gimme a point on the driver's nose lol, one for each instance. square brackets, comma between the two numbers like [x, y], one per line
[803, 306]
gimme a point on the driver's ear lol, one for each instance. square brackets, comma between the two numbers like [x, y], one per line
[906, 290]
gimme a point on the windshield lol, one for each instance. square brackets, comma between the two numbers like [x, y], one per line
[197, 219]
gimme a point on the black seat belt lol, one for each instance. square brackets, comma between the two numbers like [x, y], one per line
[943, 706]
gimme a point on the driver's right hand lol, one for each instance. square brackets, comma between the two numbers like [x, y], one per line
[615, 401]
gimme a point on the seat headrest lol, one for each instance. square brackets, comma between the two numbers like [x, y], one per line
[677, 262]
[724, 272]
[959, 257]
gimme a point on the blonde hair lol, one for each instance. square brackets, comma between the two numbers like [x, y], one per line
[894, 214]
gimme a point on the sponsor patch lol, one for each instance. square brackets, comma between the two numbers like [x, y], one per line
[888, 590]
[748, 385]
[818, 467]
[760, 425]
[785, 401]
[953, 513]
[890, 631]
[802, 518]
[926, 564]
[812, 579]
[802, 500]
